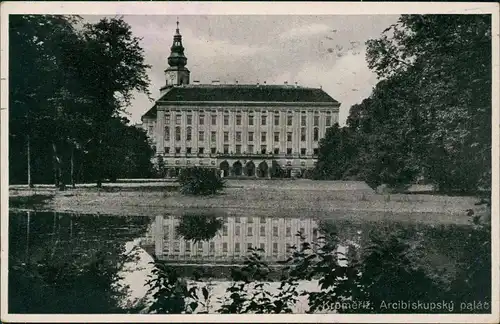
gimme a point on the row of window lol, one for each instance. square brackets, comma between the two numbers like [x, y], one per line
[238, 120]
[237, 247]
[239, 111]
[250, 150]
[238, 135]
[288, 232]
[249, 220]
[262, 231]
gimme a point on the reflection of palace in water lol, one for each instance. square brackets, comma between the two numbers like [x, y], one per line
[230, 245]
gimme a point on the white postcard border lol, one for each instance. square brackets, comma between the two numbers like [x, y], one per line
[250, 8]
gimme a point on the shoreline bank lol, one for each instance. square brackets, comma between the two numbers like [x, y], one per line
[331, 199]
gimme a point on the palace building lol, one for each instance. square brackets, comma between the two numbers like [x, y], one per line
[239, 129]
[274, 235]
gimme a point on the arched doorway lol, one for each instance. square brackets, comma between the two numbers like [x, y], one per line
[276, 171]
[262, 170]
[237, 168]
[224, 166]
[250, 169]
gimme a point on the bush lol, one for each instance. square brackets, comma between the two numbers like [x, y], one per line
[160, 169]
[200, 181]
[308, 174]
[390, 264]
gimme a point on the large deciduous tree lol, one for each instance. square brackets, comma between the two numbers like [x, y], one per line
[68, 85]
[127, 153]
[112, 68]
[37, 86]
[430, 113]
[444, 62]
[336, 151]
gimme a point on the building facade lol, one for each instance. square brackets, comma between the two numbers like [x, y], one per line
[239, 129]
[274, 235]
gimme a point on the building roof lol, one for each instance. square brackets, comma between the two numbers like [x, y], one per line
[243, 93]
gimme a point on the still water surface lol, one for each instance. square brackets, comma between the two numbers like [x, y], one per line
[69, 263]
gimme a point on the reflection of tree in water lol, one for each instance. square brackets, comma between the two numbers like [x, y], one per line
[198, 226]
[64, 263]
[71, 264]
[390, 264]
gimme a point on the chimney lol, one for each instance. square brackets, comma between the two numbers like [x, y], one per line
[215, 82]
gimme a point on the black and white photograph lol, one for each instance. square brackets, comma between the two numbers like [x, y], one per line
[206, 159]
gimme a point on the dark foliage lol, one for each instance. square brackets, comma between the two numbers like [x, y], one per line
[198, 227]
[71, 264]
[429, 115]
[200, 181]
[68, 264]
[160, 168]
[390, 265]
[68, 87]
[170, 291]
[32, 201]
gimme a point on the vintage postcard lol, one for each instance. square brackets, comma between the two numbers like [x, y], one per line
[215, 161]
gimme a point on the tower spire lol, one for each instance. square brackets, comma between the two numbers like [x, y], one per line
[177, 57]
[177, 73]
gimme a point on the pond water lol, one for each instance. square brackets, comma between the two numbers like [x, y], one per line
[72, 263]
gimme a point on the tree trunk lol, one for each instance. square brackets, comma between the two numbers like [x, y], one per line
[28, 236]
[72, 167]
[54, 227]
[30, 183]
[56, 177]
[59, 182]
[54, 239]
[98, 163]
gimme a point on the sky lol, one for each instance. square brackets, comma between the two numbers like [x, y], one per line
[314, 51]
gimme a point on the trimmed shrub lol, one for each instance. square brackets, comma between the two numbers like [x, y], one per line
[200, 181]
[160, 168]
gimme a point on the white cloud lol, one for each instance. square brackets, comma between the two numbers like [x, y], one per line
[219, 48]
[302, 49]
[305, 31]
[204, 54]
[348, 80]
[194, 43]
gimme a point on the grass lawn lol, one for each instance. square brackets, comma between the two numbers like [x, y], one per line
[326, 199]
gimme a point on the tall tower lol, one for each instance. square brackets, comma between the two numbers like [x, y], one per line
[177, 73]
